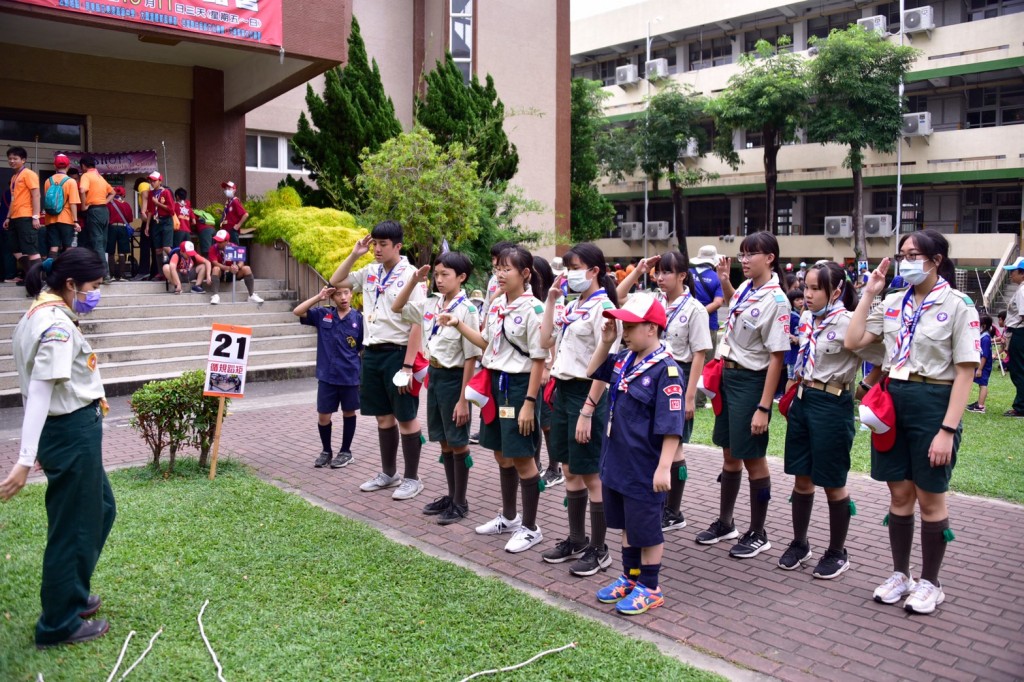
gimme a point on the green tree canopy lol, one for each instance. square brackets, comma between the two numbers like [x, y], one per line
[432, 191]
[471, 114]
[855, 84]
[770, 96]
[591, 214]
[353, 114]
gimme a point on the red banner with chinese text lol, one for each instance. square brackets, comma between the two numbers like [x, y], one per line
[250, 21]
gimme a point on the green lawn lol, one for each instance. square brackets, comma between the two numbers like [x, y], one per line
[989, 462]
[297, 593]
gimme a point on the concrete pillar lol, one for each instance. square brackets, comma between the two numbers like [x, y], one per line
[217, 141]
[736, 215]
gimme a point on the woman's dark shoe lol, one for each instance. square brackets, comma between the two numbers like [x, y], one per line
[88, 631]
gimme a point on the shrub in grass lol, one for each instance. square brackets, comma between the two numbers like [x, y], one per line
[172, 413]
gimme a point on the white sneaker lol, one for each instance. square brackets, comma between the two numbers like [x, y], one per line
[523, 539]
[409, 489]
[499, 524]
[255, 299]
[215, 299]
[381, 481]
[924, 598]
[895, 588]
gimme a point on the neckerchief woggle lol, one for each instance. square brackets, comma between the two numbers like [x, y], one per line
[901, 351]
[576, 310]
[806, 358]
[623, 381]
[434, 316]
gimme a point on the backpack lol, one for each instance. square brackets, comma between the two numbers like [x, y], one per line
[53, 202]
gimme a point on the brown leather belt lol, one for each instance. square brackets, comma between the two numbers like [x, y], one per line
[918, 378]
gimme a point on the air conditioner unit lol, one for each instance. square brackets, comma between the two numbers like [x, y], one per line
[691, 150]
[659, 229]
[879, 24]
[838, 226]
[626, 75]
[632, 232]
[918, 20]
[917, 125]
[879, 226]
[656, 69]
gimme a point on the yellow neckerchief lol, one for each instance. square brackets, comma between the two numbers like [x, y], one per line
[45, 299]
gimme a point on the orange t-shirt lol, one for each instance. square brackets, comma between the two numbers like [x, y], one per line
[620, 275]
[70, 188]
[22, 185]
[94, 188]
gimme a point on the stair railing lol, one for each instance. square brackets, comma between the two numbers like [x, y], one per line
[988, 296]
[298, 276]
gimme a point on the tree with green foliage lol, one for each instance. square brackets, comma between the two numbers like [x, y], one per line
[856, 102]
[471, 114]
[654, 143]
[769, 95]
[591, 214]
[432, 191]
[353, 114]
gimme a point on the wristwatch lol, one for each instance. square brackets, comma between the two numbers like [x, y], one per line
[35, 217]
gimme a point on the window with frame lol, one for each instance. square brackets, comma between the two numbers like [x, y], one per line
[753, 139]
[460, 42]
[43, 129]
[666, 53]
[708, 53]
[822, 26]
[884, 203]
[995, 210]
[271, 153]
[891, 11]
[708, 217]
[818, 206]
[608, 69]
[997, 105]
[755, 214]
[988, 9]
[771, 34]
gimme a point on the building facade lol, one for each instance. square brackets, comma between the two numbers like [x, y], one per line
[523, 45]
[962, 159]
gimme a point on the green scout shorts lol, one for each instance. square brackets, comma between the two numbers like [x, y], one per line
[444, 389]
[568, 401]
[741, 394]
[819, 437]
[502, 435]
[378, 395]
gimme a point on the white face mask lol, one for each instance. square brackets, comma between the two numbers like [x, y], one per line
[577, 280]
[913, 272]
[229, 193]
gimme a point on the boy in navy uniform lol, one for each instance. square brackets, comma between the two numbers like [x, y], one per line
[645, 420]
[339, 341]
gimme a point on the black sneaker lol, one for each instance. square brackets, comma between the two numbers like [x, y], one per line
[832, 565]
[716, 531]
[975, 407]
[564, 551]
[323, 460]
[474, 438]
[750, 545]
[794, 557]
[553, 477]
[454, 512]
[343, 459]
[671, 520]
[592, 561]
[437, 506]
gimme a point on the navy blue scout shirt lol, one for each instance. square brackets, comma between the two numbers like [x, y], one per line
[338, 342]
[707, 287]
[649, 410]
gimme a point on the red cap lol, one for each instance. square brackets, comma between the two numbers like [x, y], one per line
[879, 415]
[61, 161]
[119, 191]
[154, 176]
[189, 248]
[228, 185]
[478, 392]
[710, 384]
[221, 236]
[640, 308]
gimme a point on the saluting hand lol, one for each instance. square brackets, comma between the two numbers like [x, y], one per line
[326, 293]
[647, 264]
[724, 267]
[876, 281]
[609, 332]
[556, 289]
[362, 246]
[421, 274]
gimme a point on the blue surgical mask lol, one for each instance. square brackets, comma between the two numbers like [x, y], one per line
[92, 299]
[821, 313]
[912, 271]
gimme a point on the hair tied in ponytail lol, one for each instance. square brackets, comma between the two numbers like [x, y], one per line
[47, 265]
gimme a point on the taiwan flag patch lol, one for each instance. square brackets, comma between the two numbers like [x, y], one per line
[371, 279]
[892, 313]
[329, 317]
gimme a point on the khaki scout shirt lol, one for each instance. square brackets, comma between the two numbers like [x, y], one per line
[947, 334]
[521, 321]
[1015, 310]
[48, 346]
[759, 331]
[833, 364]
[578, 341]
[381, 324]
[688, 329]
[444, 344]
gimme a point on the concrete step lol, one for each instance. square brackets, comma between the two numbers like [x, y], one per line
[10, 291]
[173, 349]
[132, 300]
[170, 306]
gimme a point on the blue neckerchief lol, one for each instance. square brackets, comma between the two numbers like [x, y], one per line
[459, 299]
[627, 365]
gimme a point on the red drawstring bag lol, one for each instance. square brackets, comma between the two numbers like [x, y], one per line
[710, 384]
[478, 392]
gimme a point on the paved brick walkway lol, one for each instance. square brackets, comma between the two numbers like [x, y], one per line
[783, 624]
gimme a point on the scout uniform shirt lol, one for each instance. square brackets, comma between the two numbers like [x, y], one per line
[822, 356]
[947, 332]
[640, 417]
[1015, 311]
[338, 342]
[70, 190]
[380, 288]
[516, 323]
[48, 346]
[687, 329]
[577, 328]
[757, 325]
[443, 344]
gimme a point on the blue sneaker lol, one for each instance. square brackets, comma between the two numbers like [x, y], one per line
[617, 591]
[641, 600]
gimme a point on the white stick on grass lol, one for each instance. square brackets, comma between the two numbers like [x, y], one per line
[124, 647]
[570, 645]
[139, 659]
[207, 642]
